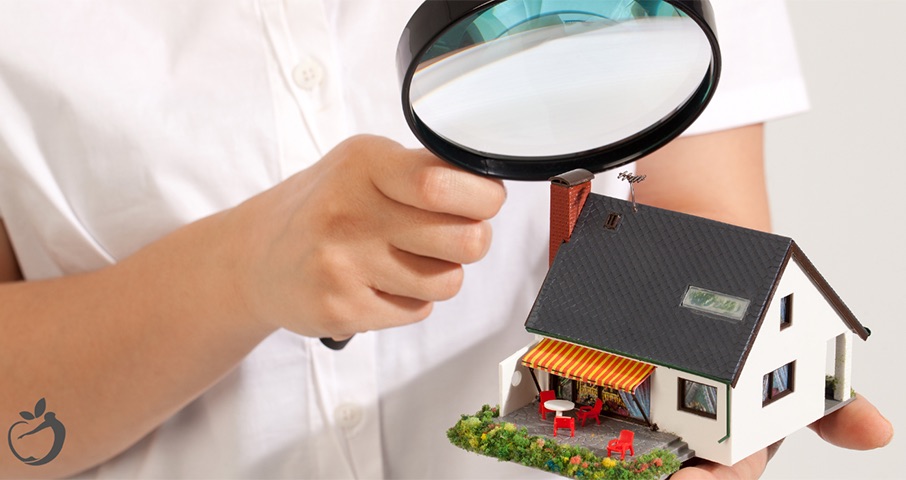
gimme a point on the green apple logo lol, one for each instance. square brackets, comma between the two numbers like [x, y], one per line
[51, 422]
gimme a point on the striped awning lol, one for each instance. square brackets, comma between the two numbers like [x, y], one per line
[587, 365]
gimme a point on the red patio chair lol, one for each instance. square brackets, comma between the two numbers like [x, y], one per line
[585, 412]
[565, 422]
[622, 444]
[543, 397]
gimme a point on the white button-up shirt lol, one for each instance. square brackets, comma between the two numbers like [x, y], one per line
[122, 121]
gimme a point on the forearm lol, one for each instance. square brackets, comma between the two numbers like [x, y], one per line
[117, 351]
[718, 176]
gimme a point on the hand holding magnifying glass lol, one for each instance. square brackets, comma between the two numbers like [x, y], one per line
[381, 234]
[366, 239]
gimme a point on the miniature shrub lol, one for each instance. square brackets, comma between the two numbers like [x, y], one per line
[830, 383]
[482, 433]
[655, 460]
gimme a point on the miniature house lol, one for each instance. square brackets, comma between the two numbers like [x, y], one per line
[716, 333]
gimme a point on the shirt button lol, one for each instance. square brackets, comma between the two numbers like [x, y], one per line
[348, 415]
[308, 74]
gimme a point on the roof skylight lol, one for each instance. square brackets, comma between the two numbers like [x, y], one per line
[708, 301]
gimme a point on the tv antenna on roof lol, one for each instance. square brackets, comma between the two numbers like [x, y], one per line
[632, 179]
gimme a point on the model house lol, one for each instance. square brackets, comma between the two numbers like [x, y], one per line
[722, 335]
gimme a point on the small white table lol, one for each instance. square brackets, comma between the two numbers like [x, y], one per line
[559, 406]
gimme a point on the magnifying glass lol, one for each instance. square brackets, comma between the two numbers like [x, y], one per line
[530, 89]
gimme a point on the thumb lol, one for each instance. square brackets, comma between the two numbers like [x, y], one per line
[858, 426]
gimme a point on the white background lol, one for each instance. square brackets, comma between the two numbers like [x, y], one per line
[837, 182]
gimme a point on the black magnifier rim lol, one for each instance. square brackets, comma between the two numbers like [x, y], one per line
[435, 17]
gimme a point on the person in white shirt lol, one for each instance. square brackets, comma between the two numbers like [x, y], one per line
[188, 203]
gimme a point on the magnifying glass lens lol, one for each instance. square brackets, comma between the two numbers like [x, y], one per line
[538, 79]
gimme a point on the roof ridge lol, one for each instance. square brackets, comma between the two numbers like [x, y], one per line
[674, 213]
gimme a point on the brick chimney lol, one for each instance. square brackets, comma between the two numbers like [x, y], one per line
[568, 194]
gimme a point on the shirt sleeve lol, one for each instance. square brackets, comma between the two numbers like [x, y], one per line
[760, 79]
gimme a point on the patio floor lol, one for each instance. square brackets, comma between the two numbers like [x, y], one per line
[594, 436]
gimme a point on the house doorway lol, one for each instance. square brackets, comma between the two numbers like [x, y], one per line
[631, 406]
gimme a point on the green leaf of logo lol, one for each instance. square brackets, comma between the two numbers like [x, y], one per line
[39, 408]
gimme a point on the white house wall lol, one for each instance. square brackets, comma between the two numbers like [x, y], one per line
[814, 322]
[517, 389]
[701, 433]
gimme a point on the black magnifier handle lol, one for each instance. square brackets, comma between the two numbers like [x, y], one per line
[334, 344]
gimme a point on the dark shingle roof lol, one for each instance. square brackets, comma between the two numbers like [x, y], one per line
[621, 291]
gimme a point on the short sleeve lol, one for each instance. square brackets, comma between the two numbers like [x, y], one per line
[761, 79]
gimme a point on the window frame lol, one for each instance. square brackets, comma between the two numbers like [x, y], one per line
[791, 384]
[681, 398]
[786, 312]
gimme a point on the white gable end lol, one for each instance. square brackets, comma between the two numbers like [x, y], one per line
[803, 344]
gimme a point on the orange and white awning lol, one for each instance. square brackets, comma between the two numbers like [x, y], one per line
[584, 364]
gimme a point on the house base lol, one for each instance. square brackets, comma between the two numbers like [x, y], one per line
[831, 406]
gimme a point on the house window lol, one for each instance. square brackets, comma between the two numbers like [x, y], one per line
[697, 398]
[587, 393]
[777, 384]
[786, 311]
[721, 304]
[564, 387]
